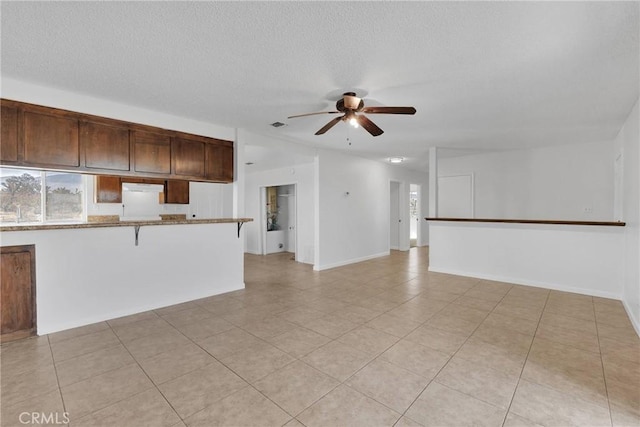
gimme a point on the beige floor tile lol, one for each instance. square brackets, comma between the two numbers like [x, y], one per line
[515, 309]
[299, 315]
[89, 365]
[514, 420]
[393, 325]
[447, 342]
[77, 332]
[582, 340]
[257, 361]
[548, 407]
[337, 360]
[489, 385]
[357, 314]
[415, 311]
[368, 340]
[176, 308]
[294, 423]
[205, 328]
[579, 311]
[439, 405]
[491, 356]
[453, 323]
[23, 356]
[476, 301]
[516, 324]
[296, 386]
[84, 397]
[567, 322]
[228, 342]
[625, 335]
[83, 344]
[347, 407]
[504, 338]
[198, 389]
[148, 408]
[29, 384]
[624, 417]
[146, 315]
[190, 315]
[175, 363]
[49, 403]
[388, 384]
[269, 327]
[244, 408]
[407, 422]
[555, 355]
[330, 326]
[134, 330]
[416, 358]
[622, 350]
[620, 369]
[299, 342]
[624, 396]
[152, 345]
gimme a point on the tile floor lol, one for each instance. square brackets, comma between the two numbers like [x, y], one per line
[379, 343]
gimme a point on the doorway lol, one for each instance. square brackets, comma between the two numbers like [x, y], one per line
[414, 214]
[394, 215]
[279, 224]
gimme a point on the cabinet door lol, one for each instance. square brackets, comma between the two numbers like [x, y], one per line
[18, 292]
[51, 140]
[219, 161]
[105, 146]
[108, 189]
[187, 157]
[9, 141]
[152, 152]
[176, 192]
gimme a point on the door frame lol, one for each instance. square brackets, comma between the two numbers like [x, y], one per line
[263, 217]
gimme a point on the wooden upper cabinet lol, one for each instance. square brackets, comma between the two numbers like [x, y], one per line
[108, 189]
[51, 140]
[219, 161]
[187, 157]
[176, 191]
[152, 152]
[9, 141]
[105, 146]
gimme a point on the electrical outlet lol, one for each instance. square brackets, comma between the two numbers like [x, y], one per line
[588, 210]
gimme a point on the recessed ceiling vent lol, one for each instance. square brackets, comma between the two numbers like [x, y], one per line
[277, 124]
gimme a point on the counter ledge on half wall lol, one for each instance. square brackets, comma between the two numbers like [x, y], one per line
[531, 221]
[5, 228]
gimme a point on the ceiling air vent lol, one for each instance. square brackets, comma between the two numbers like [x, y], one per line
[277, 124]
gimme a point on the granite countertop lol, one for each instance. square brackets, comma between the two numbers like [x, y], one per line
[28, 227]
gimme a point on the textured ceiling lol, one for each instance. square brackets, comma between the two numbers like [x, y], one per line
[482, 75]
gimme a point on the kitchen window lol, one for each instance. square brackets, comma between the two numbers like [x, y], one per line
[32, 196]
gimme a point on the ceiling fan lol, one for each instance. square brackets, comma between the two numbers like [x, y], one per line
[350, 104]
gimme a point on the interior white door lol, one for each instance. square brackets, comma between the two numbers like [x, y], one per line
[291, 243]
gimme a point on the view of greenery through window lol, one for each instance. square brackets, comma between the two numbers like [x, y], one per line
[22, 201]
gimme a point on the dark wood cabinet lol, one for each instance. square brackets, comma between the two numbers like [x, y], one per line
[219, 161]
[9, 141]
[187, 157]
[51, 140]
[105, 146]
[18, 292]
[152, 152]
[176, 191]
[108, 189]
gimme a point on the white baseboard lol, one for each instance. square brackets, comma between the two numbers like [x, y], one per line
[635, 322]
[526, 282]
[350, 261]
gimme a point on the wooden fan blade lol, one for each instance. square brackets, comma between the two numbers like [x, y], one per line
[389, 110]
[351, 102]
[369, 126]
[329, 125]
[313, 114]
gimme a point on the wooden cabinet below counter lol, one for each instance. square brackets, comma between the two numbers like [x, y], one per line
[18, 292]
[51, 139]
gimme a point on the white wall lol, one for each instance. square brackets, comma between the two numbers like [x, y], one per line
[90, 275]
[355, 227]
[628, 143]
[394, 208]
[544, 183]
[583, 259]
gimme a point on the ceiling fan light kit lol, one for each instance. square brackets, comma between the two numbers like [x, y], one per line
[350, 104]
